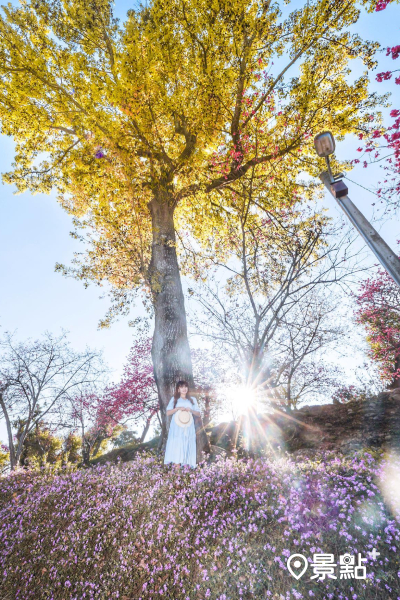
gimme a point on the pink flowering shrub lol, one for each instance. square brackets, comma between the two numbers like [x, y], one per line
[378, 310]
[222, 531]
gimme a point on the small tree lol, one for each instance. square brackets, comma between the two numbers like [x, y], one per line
[348, 393]
[367, 384]
[124, 438]
[72, 448]
[134, 398]
[304, 336]
[96, 425]
[41, 446]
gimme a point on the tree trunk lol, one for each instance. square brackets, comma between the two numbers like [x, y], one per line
[145, 430]
[207, 409]
[13, 457]
[21, 434]
[289, 395]
[85, 447]
[97, 444]
[236, 433]
[396, 379]
[170, 348]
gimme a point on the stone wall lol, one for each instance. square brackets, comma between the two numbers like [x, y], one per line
[374, 422]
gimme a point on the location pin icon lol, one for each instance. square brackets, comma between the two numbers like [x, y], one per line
[296, 561]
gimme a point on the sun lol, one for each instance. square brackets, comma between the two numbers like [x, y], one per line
[241, 399]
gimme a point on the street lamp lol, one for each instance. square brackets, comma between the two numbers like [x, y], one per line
[325, 146]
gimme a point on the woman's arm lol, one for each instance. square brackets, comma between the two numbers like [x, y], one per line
[172, 411]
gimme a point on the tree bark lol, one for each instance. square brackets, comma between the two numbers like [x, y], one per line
[145, 430]
[396, 379]
[96, 445]
[170, 348]
[13, 457]
[207, 411]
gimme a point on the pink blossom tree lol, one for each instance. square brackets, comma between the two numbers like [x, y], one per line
[134, 398]
[379, 312]
[102, 415]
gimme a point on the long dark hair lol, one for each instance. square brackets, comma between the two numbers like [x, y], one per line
[177, 394]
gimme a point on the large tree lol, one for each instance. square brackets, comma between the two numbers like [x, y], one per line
[141, 127]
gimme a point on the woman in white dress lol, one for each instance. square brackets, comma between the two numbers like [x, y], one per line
[181, 442]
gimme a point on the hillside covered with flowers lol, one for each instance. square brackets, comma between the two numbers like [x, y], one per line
[222, 531]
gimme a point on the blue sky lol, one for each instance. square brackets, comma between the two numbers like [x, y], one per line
[34, 235]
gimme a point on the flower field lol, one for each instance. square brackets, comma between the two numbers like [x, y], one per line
[223, 531]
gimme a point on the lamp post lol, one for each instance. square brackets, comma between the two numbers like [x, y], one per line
[325, 146]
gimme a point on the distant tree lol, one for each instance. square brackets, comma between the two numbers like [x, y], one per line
[378, 311]
[36, 378]
[304, 337]
[72, 448]
[124, 438]
[96, 426]
[347, 393]
[41, 446]
[367, 384]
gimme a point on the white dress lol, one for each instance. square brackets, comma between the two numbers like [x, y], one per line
[181, 442]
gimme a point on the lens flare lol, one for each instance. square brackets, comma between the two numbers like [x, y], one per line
[242, 399]
[389, 482]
